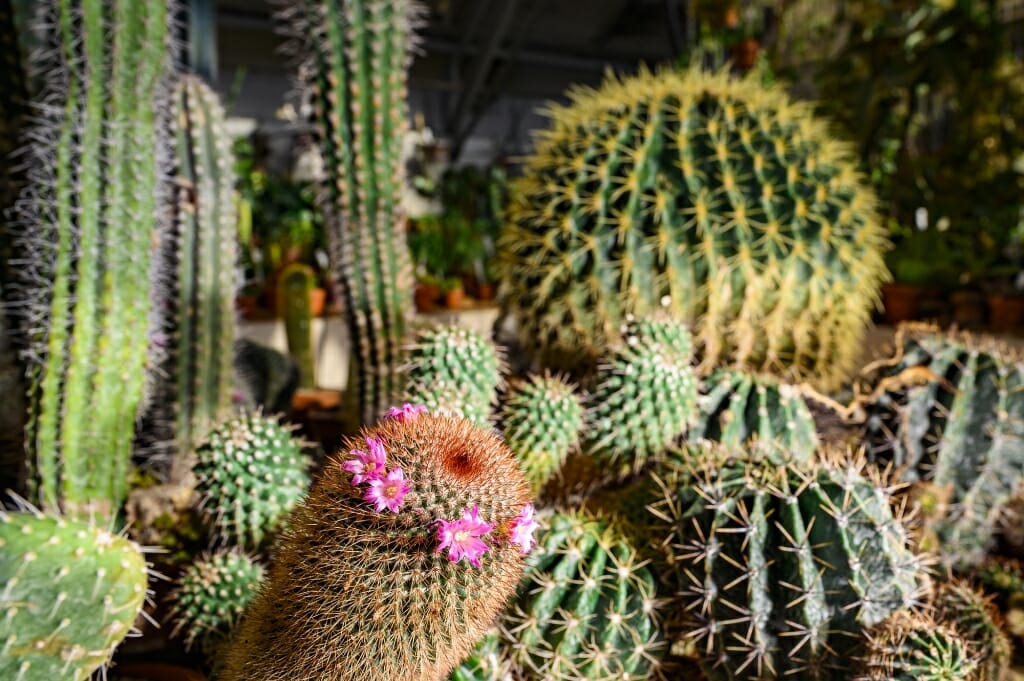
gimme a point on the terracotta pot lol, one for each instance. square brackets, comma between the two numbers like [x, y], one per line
[317, 298]
[901, 301]
[323, 400]
[425, 296]
[968, 309]
[744, 53]
[1005, 313]
[454, 298]
[485, 291]
[247, 306]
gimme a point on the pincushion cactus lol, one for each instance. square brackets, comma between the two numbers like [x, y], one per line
[783, 563]
[250, 473]
[587, 608]
[974, 617]
[212, 594]
[398, 561]
[718, 197]
[71, 593]
[947, 412]
[541, 419]
[914, 647]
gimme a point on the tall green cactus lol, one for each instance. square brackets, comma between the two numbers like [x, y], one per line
[719, 197]
[92, 218]
[948, 413]
[355, 56]
[294, 288]
[200, 323]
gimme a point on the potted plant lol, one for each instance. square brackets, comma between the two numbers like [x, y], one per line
[913, 264]
[454, 294]
[426, 293]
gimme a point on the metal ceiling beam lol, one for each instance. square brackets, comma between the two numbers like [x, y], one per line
[541, 57]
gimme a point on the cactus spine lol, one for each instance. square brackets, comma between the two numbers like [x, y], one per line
[293, 302]
[356, 55]
[948, 413]
[94, 211]
[203, 259]
[359, 593]
[783, 563]
[71, 594]
[719, 197]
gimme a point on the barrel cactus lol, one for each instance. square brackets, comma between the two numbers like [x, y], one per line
[397, 563]
[71, 593]
[211, 595]
[588, 607]
[979, 623]
[947, 413]
[541, 419]
[783, 563]
[719, 198]
[250, 473]
[736, 406]
[914, 647]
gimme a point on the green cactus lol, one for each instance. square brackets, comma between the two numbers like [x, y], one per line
[587, 608]
[211, 595]
[736, 406]
[362, 586]
[1001, 576]
[355, 59]
[294, 287]
[973, 616]
[947, 412]
[646, 397]
[541, 419]
[454, 369]
[486, 663]
[782, 562]
[914, 647]
[202, 258]
[71, 593]
[719, 198]
[250, 473]
[93, 216]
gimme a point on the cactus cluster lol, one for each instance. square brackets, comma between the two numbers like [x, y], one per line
[398, 561]
[587, 607]
[212, 594]
[355, 55]
[718, 197]
[947, 412]
[452, 369]
[541, 418]
[71, 593]
[91, 215]
[250, 474]
[783, 563]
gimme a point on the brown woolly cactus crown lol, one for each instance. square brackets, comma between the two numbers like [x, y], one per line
[397, 563]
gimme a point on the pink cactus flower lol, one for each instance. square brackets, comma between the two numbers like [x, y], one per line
[523, 527]
[406, 412]
[462, 537]
[388, 492]
[367, 466]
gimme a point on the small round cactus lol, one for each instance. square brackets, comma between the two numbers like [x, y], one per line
[588, 607]
[913, 647]
[646, 397]
[250, 473]
[398, 561]
[71, 593]
[541, 420]
[957, 605]
[212, 594]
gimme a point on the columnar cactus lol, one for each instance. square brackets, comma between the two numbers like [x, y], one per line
[646, 396]
[783, 563]
[736, 406]
[212, 594]
[720, 198]
[71, 594]
[948, 413]
[541, 418]
[587, 608]
[453, 369]
[913, 647]
[294, 287]
[92, 215]
[398, 561]
[250, 473]
[203, 258]
[355, 55]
